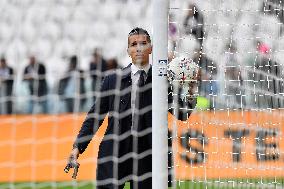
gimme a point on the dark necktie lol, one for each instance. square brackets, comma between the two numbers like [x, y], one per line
[141, 80]
[139, 99]
[139, 91]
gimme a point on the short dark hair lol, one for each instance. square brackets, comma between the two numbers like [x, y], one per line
[73, 61]
[139, 31]
[3, 59]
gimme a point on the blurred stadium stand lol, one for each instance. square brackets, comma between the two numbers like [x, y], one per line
[54, 30]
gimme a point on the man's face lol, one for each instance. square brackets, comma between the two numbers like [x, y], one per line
[32, 60]
[139, 49]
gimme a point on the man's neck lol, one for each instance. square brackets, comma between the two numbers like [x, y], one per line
[142, 67]
[135, 68]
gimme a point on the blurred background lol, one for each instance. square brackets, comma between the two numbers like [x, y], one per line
[52, 45]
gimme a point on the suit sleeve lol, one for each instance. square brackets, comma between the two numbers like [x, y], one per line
[10, 80]
[25, 73]
[41, 70]
[94, 118]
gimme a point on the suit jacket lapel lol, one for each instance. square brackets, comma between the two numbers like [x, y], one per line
[125, 88]
[149, 76]
[126, 83]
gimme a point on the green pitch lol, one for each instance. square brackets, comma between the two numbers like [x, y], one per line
[209, 184]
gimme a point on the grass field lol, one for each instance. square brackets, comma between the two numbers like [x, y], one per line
[210, 184]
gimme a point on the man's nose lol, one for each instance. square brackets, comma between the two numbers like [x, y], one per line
[139, 48]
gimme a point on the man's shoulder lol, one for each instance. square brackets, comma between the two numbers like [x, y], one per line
[41, 64]
[126, 70]
[10, 69]
[119, 73]
[111, 77]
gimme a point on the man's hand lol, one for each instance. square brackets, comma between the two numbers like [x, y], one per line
[72, 163]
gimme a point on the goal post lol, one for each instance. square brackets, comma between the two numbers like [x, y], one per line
[160, 94]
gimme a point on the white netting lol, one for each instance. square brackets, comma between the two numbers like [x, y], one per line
[233, 138]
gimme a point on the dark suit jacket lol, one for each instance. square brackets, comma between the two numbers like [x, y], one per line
[117, 142]
[37, 86]
[63, 83]
[8, 83]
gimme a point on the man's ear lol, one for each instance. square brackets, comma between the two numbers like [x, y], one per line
[128, 51]
[151, 49]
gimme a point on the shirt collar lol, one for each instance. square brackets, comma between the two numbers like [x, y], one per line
[135, 69]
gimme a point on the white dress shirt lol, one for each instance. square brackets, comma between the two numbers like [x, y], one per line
[135, 77]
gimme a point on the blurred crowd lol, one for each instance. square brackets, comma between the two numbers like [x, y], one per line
[231, 80]
[70, 89]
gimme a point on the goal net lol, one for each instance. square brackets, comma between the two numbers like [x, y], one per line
[227, 133]
[233, 138]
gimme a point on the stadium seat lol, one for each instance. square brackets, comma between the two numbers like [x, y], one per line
[224, 27]
[99, 30]
[82, 14]
[16, 50]
[69, 2]
[11, 14]
[119, 47]
[230, 9]
[88, 45]
[40, 3]
[75, 30]
[90, 3]
[42, 48]
[268, 28]
[22, 3]
[64, 48]
[252, 5]
[110, 12]
[120, 28]
[50, 30]
[59, 13]
[132, 11]
[187, 45]
[213, 46]
[6, 32]
[4, 3]
[278, 52]
[244, 34]
[205, 7]
[28, 32]
[37, 14]
[56, 67]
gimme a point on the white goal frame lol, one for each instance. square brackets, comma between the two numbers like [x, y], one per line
[160, 95]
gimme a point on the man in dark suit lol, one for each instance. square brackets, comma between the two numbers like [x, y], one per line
[72, 84]
[35, 76]
[125, 153]
[6, 87]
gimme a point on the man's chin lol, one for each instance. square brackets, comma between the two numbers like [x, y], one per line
[139, 63]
